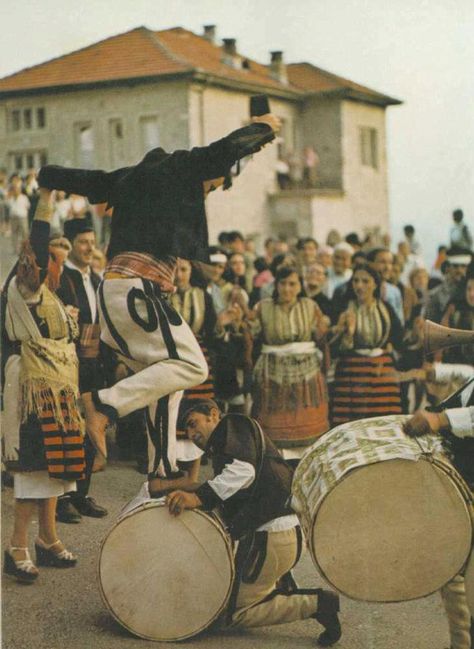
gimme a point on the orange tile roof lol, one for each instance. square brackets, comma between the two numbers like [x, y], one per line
[312, 79]
[141, 53]
[135, 54]
[209, 58]
[130, 55]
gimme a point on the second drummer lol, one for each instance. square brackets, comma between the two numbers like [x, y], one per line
[252, 485]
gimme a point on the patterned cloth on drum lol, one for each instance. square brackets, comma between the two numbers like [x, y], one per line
[171, 562]
[387, 517]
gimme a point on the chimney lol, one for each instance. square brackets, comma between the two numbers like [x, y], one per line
[230, 52]
[210, 33]
[230, 46]
[278, 67]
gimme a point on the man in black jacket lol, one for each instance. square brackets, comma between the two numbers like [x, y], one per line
[252, 486]
[158, 216]
[78, 291]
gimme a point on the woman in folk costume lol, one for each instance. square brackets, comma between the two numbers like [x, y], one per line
[43, 429]
[459, 314]
[366, 383]
[194, 305]
[158, 216]
[290, 399]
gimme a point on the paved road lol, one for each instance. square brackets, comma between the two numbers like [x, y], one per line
[64, 608]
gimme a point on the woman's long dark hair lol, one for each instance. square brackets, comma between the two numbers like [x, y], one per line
[282, 273]
[229, 274]
[375, 276]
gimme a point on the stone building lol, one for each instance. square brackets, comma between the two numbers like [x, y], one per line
[105, 105]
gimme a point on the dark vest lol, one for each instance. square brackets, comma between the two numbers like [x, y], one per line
[460, 450]
[71, 291]
[236, 438]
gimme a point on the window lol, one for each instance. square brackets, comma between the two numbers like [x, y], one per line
[24, 161]
[368, 147]
[150, 133]
[85, 147]
[27, 118]
[15, 118]
[40, 118]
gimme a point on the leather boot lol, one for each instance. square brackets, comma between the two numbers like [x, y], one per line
[328, 608]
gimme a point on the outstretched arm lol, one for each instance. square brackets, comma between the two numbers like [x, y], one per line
[216, 159]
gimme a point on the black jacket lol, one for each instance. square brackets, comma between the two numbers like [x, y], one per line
[71, 291]
[237, 438]
[158, 205]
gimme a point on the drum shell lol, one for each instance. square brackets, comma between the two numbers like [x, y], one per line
[171, 582]
[376, 533]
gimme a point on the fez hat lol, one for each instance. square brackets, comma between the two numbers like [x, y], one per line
[76, 226]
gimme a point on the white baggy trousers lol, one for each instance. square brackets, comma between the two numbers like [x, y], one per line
[152, 339]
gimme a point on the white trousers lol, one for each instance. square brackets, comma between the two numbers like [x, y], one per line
[162, 351]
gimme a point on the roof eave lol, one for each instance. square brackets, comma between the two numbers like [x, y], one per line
[292, 93]
[357, 95]
[95, 85]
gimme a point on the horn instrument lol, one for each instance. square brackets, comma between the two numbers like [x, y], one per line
[437, 337]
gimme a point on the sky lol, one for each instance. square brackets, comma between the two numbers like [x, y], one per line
[419, 51]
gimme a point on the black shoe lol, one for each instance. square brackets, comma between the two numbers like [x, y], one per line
[46, 556]
[65, 512]
[24, 571]
[328, 608]
[88, 507]
[142, 467]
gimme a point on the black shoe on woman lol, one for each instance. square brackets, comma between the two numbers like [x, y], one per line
[54, 555]
[24, 570]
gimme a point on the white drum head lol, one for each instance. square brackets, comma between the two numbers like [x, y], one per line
[165, 578]
[393, 531]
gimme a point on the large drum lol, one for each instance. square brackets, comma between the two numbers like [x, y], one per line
[166, 578]
[387, 518]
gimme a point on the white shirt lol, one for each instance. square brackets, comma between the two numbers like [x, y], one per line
[19, 206]
[88, 286]
[461, 420]
[239, 475]
[333, 281]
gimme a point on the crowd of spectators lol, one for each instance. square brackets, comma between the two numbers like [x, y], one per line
[305, 335]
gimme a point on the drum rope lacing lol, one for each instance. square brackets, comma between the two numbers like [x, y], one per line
[447, 468]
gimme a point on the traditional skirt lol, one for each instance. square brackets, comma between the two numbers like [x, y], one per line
[290, 399]
[203, 390]
[365, 386]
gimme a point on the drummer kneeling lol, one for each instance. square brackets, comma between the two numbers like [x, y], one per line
[252, 485]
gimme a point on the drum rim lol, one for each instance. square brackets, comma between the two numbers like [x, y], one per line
[215, 520]
[441, 463]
